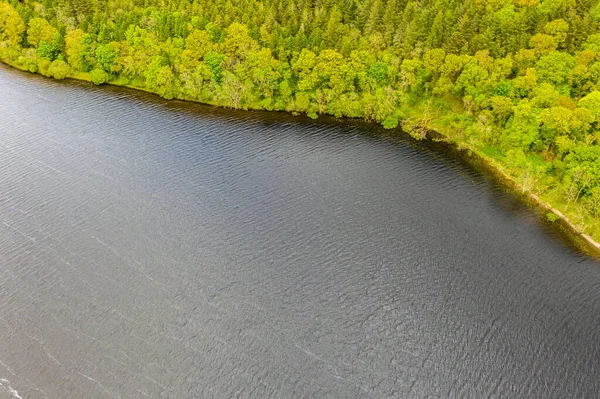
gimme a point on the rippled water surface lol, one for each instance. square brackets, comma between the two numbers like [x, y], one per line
[167, 250]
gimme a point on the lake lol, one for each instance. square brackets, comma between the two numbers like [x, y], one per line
[154, 249]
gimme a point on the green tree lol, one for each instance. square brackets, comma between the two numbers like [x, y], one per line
[592, 103]
[40, 30]
[78, 49]
[11, 25]
[198, 43]
[98, 76]
[106, 55]
[523, 130]
[59, 69]
[554, 67]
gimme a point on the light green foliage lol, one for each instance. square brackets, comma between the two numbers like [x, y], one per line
[11, 25]
[198, 43]
[98, 76]
[307, 78]
[593, 43]
[545, 95]
[40, 30]
[449, 72]
[559, 30]
[525, 58]
[593, 201]
[28, 60]
[409, 74]
[139, 50]
[582, 167]
[501, 108]
[556, 121]
[526, 83]
[378, 71]
[523, 129]
[552, 8]
[554, 67]
[592, 103]
[543, 44]
[59, 69]
[390, 122]
[472, 81]
[264, 71]
[237, 42]
[434, 59]
[328, 67]
[285, 91]
[51, 50]
[214, 62]
[46, 50]
[161, 79]
[78, 49]
[106, 55]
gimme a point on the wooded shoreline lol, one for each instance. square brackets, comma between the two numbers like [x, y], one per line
[516, 82]
[574, 233]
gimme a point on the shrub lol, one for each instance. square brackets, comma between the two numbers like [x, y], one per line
[43, 66]
[390, 123]
[59, 69]
[98, 77]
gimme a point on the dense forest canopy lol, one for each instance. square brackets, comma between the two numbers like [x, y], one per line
[517, 79]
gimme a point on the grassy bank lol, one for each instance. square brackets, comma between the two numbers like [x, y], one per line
[425, 121]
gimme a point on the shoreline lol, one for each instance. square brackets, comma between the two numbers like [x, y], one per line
[574, 233]
[491, 167]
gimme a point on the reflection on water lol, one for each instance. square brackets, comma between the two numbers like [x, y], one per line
[154, 249]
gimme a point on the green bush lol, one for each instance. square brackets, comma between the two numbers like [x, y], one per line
[98, 77]
[43, 66]
[59, 69]
[390, 123]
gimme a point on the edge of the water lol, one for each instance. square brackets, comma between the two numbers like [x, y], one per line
[574, 233]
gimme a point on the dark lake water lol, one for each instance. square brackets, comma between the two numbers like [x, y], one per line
[153, 249]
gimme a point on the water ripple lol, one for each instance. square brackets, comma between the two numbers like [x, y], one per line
[163, 249]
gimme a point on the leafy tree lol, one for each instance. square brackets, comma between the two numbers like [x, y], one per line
[40, 30]
[559, 30]
[198, 43]
[582, 169]
[238, 42]
[592, 103]
[11, 25]
[98, 76]
[214, 61]
[523, 130]
[160, 79]
[554, 67]
[59, 69]
[78, 49]
[106, 55]
[543, 44]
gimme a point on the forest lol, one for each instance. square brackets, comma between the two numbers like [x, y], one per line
[515, 80]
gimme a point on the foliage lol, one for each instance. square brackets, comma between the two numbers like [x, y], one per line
[390, 123]
[98, 77]
[11, 25]
[59, 69]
